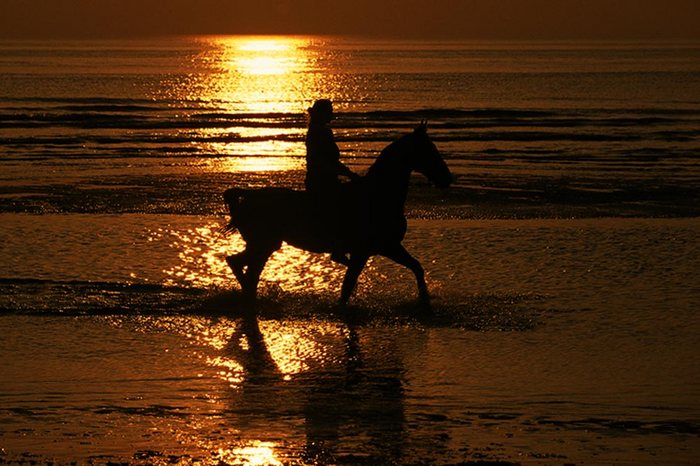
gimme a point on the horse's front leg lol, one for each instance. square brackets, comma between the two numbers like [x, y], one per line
[255, 261]
[237, 262]
[357, 263]
[399, 255]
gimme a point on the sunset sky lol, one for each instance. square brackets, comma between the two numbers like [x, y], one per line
[468, 19]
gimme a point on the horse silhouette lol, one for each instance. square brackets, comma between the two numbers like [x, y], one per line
[366, 217]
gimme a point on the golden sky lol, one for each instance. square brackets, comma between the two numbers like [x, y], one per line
[469, 19]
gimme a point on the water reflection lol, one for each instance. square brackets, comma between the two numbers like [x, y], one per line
[201, 253]
[255, 164]
[258, 75]
[268, 81]
[255, 454]
[324, 377]
[311, 387]
[247, 96]
[272, 352]
[289, 392]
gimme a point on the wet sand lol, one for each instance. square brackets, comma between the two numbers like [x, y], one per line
[552, 342]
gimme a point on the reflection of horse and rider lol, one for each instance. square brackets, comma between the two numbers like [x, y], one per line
[352, 221]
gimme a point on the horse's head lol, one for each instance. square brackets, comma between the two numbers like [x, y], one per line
[426, 158]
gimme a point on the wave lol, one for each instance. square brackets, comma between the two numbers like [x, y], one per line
[451, 124]
[139, 143]
[220, 110]
[96, 128]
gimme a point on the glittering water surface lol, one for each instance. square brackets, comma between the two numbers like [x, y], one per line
[595, 129]
[563, 262]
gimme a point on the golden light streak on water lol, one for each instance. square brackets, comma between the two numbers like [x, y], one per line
[229, 370]
[202, 252]
[260, 80]
[270, 79]
[272, 348]
[243, 348]
[254, 164]
[268, 55]
[256, 76]
[237, 350]
[255, 454]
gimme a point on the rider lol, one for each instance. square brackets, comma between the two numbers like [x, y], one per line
[323, 165]
[323, 168]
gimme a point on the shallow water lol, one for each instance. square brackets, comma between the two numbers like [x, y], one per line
[562, 261]
[551, 341]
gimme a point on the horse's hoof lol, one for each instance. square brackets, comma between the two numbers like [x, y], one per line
[341, 304]
[424, 296]
[424, 304]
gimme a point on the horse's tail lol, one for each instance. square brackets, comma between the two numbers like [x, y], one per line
[233, 198]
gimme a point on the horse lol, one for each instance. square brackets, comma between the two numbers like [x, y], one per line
[366, 218]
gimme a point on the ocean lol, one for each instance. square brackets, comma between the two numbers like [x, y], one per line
[563, 261]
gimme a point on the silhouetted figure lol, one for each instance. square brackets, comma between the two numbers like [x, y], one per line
[374, 209]
[323, 165]
[323, 169]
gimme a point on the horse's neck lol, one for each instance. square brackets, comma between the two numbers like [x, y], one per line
[389, 177]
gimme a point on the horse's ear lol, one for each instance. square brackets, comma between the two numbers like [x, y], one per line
[422, 128]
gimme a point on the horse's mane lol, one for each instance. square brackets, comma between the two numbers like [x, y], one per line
[386, 156]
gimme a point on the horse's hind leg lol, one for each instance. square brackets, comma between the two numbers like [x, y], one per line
[357, 263]
[399, 255]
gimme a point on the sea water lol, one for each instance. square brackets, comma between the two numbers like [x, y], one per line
[562, 262]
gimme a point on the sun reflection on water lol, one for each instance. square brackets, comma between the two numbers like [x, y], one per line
[258, 76]
[267, 55]
[268, 81]
[279, 350]
[253, 164]
[255, 454]
[202, 251]
[238, 363]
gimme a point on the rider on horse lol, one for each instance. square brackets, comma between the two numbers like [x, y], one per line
[323, 169]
